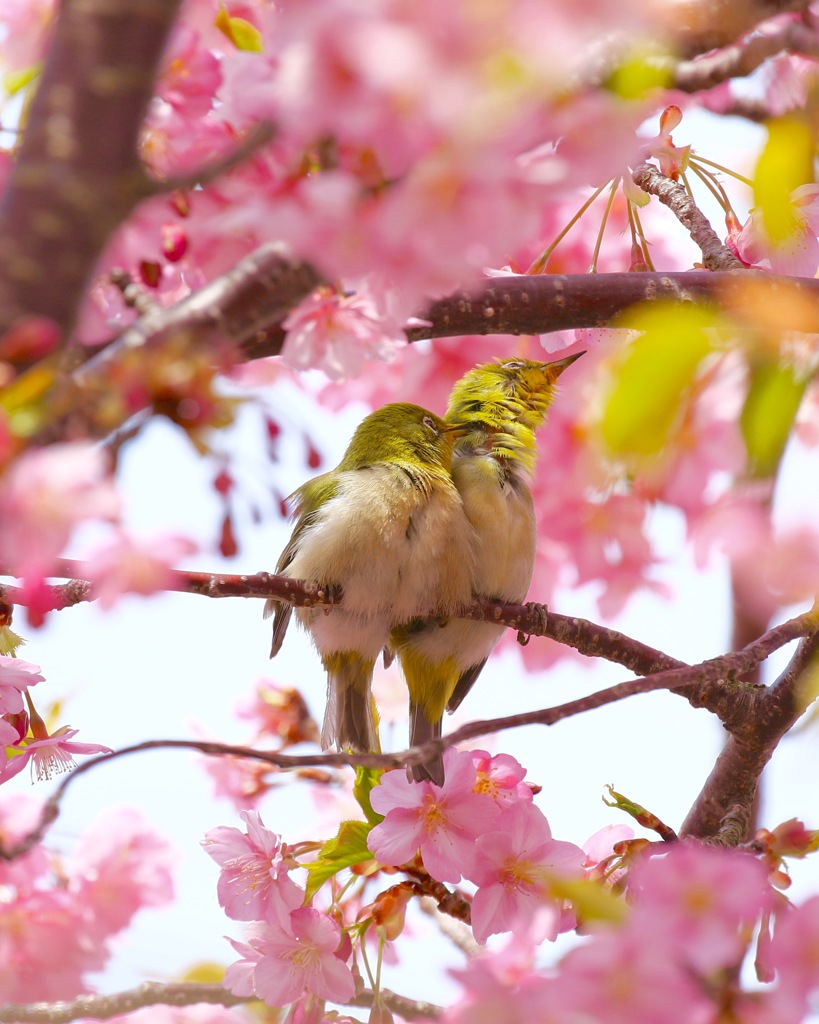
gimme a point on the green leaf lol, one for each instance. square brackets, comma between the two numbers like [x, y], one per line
[768, 415]
[366, 779]
[348, 847]
[786, 162]
[652, 378]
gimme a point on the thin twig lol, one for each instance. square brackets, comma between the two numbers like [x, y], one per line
[456, 931]
[150, 993]
[258, 136]
[103, 1007]
[715, 255]
[702, 684]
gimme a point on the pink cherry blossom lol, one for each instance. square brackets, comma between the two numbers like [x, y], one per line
[120, 865]
[798, 254]
[28, 23]
[600, 845]
[131, 565]
[19, 816]
[58, 915]
[278, 965]
[442, 822]
[601, 860]
[49, 753]
[501, 777]
[514, 870]
[237, 779]
[622, 976]
[280, 713]
[44, 495]
[338, 333]
[700, 902]
[773, 568]
[9, 736]
[45, 948]
[790, 79]
[503, 984]
[15, 676]
[191, 74]
[253, 884]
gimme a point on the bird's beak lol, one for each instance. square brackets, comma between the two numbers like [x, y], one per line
[458, 429]
[559, 365]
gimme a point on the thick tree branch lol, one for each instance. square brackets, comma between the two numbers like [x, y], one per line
[741, 58]
[735, 777]
[259, 290]
[531, 619]
[246, 307]
[78, 174]
[518, 304]
[703, 25]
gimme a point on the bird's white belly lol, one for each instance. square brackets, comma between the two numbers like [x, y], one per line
[396, 551]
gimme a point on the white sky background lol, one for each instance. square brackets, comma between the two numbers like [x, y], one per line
[153, 666]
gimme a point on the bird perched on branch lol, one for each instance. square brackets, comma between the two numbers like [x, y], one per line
[500, 406]
[388, 526]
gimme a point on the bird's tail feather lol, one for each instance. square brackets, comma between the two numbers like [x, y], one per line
[421, 731]
[350, 717]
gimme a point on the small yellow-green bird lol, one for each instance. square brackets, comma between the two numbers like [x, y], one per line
[388, 526]
[500, 406]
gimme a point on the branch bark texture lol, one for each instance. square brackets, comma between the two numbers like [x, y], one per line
[78, 174]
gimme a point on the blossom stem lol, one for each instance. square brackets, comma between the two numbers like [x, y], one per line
[539, 264]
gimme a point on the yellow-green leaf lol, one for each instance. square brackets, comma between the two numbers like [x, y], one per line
[768, 414]
[348, 847]
[16, 81]
[203, 973]
[590, 898]
[243, 34]
[786, 162]
[652, 377]
[365, 780]
[638, 75]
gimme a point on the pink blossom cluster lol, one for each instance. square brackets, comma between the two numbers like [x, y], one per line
[412, 142]
[46, 496]
[291, 953]
[58, 915]
[483, 826]
[692, 920]
[24, 737]
[281, 718]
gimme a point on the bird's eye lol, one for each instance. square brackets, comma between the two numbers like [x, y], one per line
[429, 423]
[514, 364]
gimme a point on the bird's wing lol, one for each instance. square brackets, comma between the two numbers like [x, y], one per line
[305, 504]
[464, 685]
